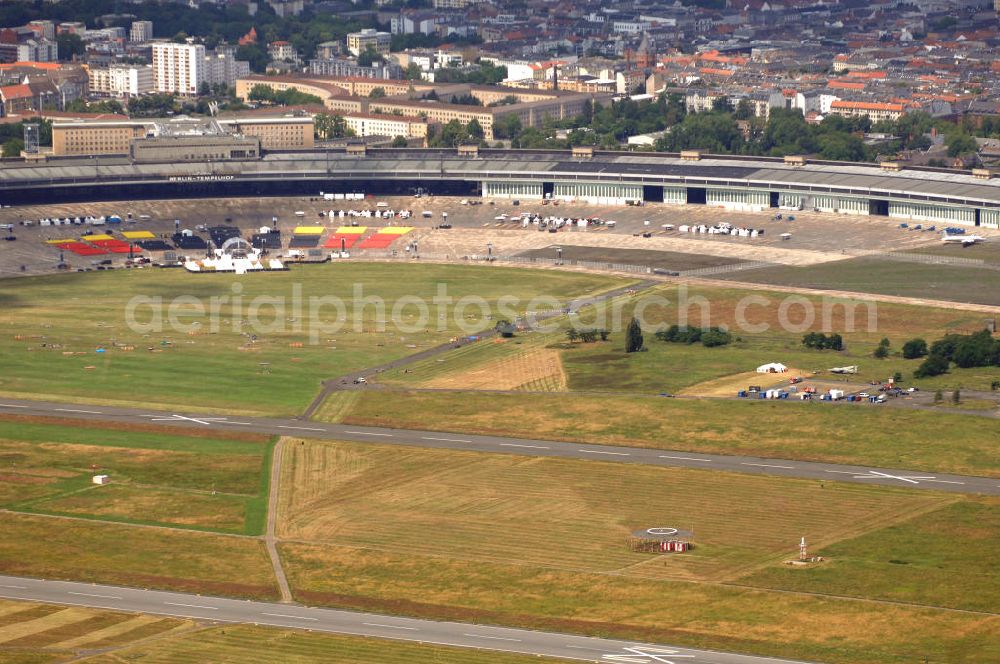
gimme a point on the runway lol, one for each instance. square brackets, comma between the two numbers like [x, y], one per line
[462, 635]
[911, 479]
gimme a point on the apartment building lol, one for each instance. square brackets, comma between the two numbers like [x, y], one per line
[140, 32]
[122, 80]
[874, 111]
[358, 42]
[178, 68]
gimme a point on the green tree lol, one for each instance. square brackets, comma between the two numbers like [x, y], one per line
[399, 142]
[572, 334]
[12, 147]
[633, 337]
[960, 144]
[934, 365]
[956, 397]
[914, 348]
[938, 396]
[369, 56]
[475, 129]
[69, 45]
[413, 72]
[377, 93]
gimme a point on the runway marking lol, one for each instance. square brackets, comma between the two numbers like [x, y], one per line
[250, 424]
[768, 465]
[603, 452]
[876, 475]
[587, 648]
[70, 592]
[495, 638]
[193, 606]
[183, 418]
[946, 481]
[843, 472]
[664, 456]
[282, 426]
[534, 447]
[78, 410]
[646, 655]
[285, 615]
[447, 440]
[11, 405]
[369, 433]
[412, 629]
[15, 587]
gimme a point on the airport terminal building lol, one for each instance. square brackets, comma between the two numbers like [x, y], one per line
[937, 196]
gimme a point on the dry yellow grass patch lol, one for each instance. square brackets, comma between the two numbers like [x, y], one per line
[43, 624]
[728, 386]
[533, 369]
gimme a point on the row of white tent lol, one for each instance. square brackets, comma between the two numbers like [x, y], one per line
[368, 214]
[725, 229]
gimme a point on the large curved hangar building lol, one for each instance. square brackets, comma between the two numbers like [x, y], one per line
[611, 178]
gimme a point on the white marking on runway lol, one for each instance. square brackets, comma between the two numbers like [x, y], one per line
[11, 405]
[534, 447]
[70, 592]
[447, 440]
[664, 456]
[285, 615]
[78, 410]
[767, 465]
[843, 472]
[15, 587]
[946, 481]
[281, 426]
[412, 629]
[183, 418]
[603, 452]
[495, 638]
[193, 606]
[587, 648]
[876, 475]
[369, 433]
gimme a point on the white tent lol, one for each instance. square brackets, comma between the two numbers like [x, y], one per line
[773, 367]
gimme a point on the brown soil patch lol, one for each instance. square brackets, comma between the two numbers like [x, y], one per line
[728, 386]
[540, 367]
[145, 428]
[15, 478]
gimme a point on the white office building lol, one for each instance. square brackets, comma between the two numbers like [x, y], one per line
[179, 68]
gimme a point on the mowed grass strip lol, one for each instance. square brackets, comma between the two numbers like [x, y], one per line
[54, 324]
[724, 618]
[570, 514]
[946, 558]
[887, 437]
[188, 561]
[162, 479]
[247, 643]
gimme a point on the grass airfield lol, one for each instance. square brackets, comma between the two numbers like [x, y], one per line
[508, 540]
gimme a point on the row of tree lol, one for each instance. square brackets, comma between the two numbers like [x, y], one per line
[965, 350]
[709, 337]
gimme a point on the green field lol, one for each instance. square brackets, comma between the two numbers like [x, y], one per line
[671, 367]
[887, 437]
[55, 324]
[40, 633]
[156, 478]
[886, 277]
[945, 558]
